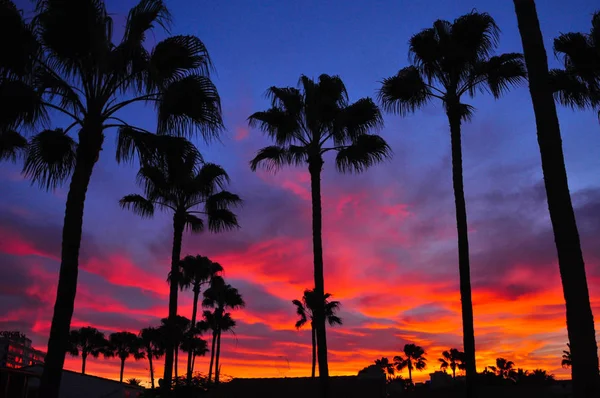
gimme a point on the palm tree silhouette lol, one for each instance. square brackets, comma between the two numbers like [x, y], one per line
[306, 310]
[153, 342]
[452, 60]
[453, 359]
[566, 357]
[178, 186]
[123, 345]
[64, 61]
[86, 341]
[385, 364]
[175, 332]
[306, 123]
[197, 270]
[220, 296]
[194, 346]
[580, 319]
[414, 359]
[12, 144]
[578, 84]
[503, 368]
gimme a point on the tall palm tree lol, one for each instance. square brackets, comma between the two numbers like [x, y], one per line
[566, 361]
[305, 123]
[86, 341]
[503, 368]
[220, 296]
[453, 359]
[197, 270]
[180, 186]
[450, 61]
[387, 366]
[194, 346]
[306, 309]
[580, 320]
[578, 84]
[65, 61]
[153, 341]
[414, 359]
[123, 345]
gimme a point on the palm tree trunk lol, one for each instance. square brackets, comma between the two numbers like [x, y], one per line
[87, 154]
[212, 355]
[454, 373]
[83, 358]
[175, 365]
[464, 268]
[151, 369]
[193, 325]
[313, 333]
[178, 226]
[193, 362]
[122, 368]
[580, 320]
[410, 374]
[217, 369]
[314, 168]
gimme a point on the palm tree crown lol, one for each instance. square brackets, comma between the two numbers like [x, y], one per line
[306, 309]
[385, 365]
[124, 345]
[566, 361]
[453, 359]
[87, 341]
[414, 358]
[153, 342]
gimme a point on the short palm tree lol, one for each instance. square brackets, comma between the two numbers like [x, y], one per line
[65, 62]
[194, 346]
[123, 345]
[414, 358]
[220, 296]
[175, 333]
[578, 84]
[180, 185]
[580, 319]
[153, 342]
[197, 270]
[503, 368]
[305, 123]
[566, 361]
[387, 366]
[453, 359]
[450, 61]
[86, 341]
[306, 309]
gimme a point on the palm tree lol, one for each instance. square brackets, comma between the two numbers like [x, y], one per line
[566, 357]
[453, 359]
[503, 368]
[385, 364]
[178, 186]
[194, 346]
[153, 341]
[134, 382]
[305, 123]
[307, 309]
[578, 84]
[414, 359]
[86, 341]
[175, 333]
[197, 270]
[220, 296]
[452, 60]
[64, 61]
[580, 320]
[123, 345]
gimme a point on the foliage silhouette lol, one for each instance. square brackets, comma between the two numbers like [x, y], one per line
[453, 359]
[86, 341]
[123, 345]
[153, 341]
[414, 358]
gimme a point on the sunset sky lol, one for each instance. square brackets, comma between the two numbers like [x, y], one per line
[389, 234]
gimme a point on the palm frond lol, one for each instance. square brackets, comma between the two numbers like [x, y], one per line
[19, 46]
[155, 182]
[175, 58]
[332, 89]
[193, 223]
[142, 18]
[405, 92]
[426, 48]
[361, 117]
[365, 151]
[476, 36]
[138, 204]
[334, 320]
[21, 104]
[210, 177]
[569, 89]
[188, 105]
[220, 220]
[288, 99]
[499, 73]
[50, 158]
[54, 86]
[222, 200]
[279, 124]
[272, 158]
[576, 51]
[12, 144]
